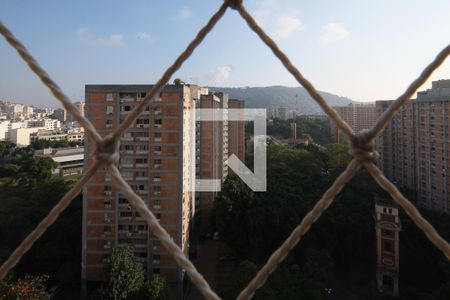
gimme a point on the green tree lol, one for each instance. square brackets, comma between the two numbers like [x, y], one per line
[24, 168]
[244, 273]
[318, 266]
[27, 288]
[5, 148]
[125, 275]
[158, 289]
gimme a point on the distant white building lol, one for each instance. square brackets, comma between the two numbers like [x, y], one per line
[28, 111]
[50, 124]
[80, 106]
[70, 160]
[21, 136]
[51, 135]
[4, 127]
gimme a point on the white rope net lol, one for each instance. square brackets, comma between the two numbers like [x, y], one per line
[106, 153]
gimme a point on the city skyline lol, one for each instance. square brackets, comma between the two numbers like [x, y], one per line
[344, 50]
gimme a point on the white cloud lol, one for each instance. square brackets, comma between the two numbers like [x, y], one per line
[333, 33]
[279, 21]
[287, 26]
[112, 40]
[183, 14]
[144, 36]
[221, 74]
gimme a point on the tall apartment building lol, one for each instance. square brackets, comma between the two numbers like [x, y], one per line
[414, 149]
[236, 130]
[358, 116]
[282, 112]
[212, 153]
[60, 114]
[156, 160]
[80, 106]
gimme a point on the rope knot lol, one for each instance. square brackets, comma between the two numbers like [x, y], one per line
[234, 4]
[361, 148]
[107, 150]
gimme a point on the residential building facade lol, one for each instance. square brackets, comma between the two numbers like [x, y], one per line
[358, 116]
[414, 149]
[236, 132]
[155, 159]
[212, 153]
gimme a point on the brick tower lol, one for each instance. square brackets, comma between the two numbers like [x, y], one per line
[387, 234]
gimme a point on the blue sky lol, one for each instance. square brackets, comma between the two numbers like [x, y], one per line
[365, 50]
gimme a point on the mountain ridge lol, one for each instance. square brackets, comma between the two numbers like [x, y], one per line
[272, 96]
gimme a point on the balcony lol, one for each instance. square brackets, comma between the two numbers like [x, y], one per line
[141, 139]
[126, 152]
[126, 99]
[126, 138]
[126, 165]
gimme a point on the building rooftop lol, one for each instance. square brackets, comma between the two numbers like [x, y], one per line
[51, 152]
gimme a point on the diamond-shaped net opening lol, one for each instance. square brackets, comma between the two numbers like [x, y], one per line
[106, 154]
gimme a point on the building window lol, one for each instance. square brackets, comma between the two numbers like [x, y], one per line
[158, 121]
[142, 227]
[142, 147]
[156, 271]
[126, 214]
[157, 203]
[109, 110]
[387, 233]
[142, 121]
[109, 97]
[388, 247]
[141, 160]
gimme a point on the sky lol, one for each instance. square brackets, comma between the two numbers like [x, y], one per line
[364, 50]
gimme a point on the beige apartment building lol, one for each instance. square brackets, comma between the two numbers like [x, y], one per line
[155, 159]
[236, 129]
[357, 115]
[212, 152]
[414, 149]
